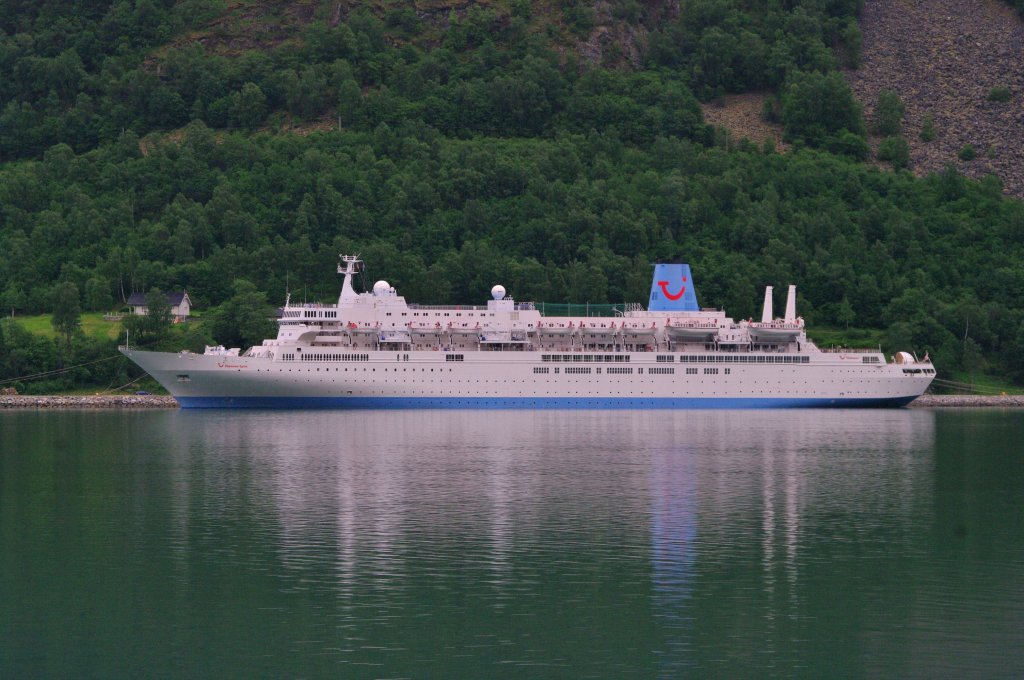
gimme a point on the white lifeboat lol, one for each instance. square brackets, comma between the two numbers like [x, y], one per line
[774, 331]
[691, 330]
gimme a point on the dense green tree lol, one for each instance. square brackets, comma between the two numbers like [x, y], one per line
[845, 313]
[306, 92]
[97, 295]
[250, 107]
[243, 320]
[153, 327]
[888, 115]
[67, 311]
[13, 299]
[896, 151]
[819, 106]
[158, 314]
[928, 131]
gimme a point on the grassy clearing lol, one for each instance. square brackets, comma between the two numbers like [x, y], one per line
[93, 326]
[981, 383]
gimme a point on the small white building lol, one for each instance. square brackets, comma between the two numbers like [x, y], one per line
[180, 303]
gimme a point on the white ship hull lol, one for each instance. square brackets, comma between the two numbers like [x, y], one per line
[517, 380]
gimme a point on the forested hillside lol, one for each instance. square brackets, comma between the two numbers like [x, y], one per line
[556, 148]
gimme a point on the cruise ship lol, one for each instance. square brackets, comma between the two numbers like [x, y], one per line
[375, 350]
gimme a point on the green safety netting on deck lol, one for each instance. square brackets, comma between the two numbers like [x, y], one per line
[584, 309]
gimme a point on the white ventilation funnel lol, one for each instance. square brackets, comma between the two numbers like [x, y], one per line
[791, 305]
[766, 315]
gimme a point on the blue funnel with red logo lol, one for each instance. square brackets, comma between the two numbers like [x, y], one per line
[672, 289]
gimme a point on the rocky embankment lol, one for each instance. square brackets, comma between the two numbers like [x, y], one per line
[943, 58]
[97, 401]
[969, 401]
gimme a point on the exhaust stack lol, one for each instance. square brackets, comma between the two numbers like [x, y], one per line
[791, 305]
[766, 315]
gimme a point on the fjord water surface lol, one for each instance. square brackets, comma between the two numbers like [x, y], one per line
[482, 544]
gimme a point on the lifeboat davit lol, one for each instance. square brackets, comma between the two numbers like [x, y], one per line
[598, 329]
[556, 329]
[425, 333]
[464, 331]
[639, 329]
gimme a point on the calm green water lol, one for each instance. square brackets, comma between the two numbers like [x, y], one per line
[512, 545]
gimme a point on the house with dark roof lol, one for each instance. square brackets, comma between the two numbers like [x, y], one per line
[180, 303]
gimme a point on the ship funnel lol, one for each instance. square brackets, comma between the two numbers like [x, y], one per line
[672, 289]
[766, 315]
[791, 305]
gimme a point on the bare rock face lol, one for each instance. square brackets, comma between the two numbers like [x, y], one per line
[742, 115]
[943, 57]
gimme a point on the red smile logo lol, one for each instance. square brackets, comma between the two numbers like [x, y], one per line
[670, 296]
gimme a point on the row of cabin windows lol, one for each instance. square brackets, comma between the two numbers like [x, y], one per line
[742, 359]
[482, 314]
[333, 314]
[614, 370]
[316, 356]
[587, 358]
[713, 358]
[577, 370]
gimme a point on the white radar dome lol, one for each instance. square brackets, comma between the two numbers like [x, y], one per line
[381, 288]
[498, 292]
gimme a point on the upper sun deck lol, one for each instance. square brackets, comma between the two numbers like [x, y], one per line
[516, 307]
[305, 312]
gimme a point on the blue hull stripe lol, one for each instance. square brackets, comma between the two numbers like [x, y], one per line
[529, 403]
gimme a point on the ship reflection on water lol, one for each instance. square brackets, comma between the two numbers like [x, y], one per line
[682, 539]
[750, 519]
[511, 544]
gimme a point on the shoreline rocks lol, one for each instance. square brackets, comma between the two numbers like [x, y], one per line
[968, 401]
[87, 401]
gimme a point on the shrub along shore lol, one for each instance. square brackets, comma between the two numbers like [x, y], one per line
[155, 401]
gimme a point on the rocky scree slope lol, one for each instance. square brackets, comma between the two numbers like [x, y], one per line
[943, 57]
